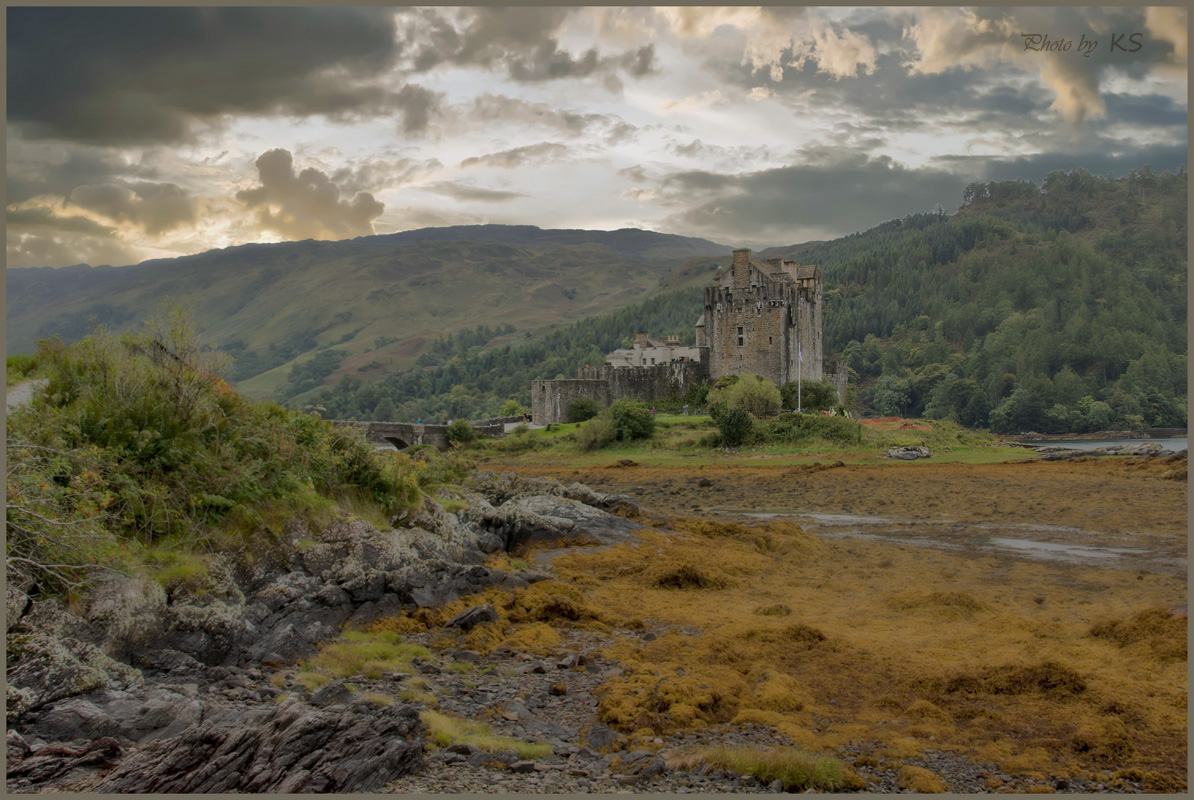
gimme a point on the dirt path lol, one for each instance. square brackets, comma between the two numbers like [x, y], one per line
[22, 393]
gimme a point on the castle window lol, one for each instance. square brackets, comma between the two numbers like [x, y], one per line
[741, 339]
[768, 340]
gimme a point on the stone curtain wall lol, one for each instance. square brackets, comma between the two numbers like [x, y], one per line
[550, 399]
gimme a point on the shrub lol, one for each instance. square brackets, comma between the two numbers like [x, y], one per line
[718, 409]
[596, 434]
[757, 395]
[460, 432]
[736, 426]
[793, 428]
[633, 419]
[583, 408]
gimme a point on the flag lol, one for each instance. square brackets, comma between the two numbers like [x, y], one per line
[800, 353]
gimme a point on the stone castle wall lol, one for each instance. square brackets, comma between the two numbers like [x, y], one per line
[605, 385]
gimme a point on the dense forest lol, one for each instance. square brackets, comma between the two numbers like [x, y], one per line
[1054, 308]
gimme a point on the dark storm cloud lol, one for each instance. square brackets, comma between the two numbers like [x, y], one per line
[123, 75]
[1106, 156]
[488, 109]
[42, 218]
[36, 168]
[460, 191]
[153, 207]
[308, 204]
[852, 193]
[523, 42]
[1146, 109]
[534, 153]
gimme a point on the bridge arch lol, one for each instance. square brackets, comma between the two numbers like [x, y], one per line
[400, 444]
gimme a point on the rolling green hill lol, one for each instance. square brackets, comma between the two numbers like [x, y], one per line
[376, 302]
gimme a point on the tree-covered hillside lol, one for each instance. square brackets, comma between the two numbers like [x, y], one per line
[1053, 308]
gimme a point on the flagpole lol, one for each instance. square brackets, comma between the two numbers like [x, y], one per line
[799, 375]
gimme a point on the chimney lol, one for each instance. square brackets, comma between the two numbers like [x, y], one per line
[640, 340]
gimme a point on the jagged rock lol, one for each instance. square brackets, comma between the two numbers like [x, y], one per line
[131, 611]
[145, 715]
[295, 748]
[335, 693]
[15, 600]
[46, 669]
[55, 761]
[477, 615]
[207, 633]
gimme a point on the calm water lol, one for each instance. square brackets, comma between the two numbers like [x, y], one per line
[1091, 444]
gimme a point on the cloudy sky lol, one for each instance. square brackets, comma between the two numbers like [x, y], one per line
[137, 133]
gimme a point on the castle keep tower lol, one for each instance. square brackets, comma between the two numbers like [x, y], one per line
[764, 318]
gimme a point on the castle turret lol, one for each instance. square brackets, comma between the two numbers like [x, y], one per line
[741, 268]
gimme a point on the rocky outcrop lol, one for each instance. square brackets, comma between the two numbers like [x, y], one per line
[295, 748]
[167, 677]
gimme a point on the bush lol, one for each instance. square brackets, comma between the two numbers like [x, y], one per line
[757, 395]
[583, 408]
[736, 427]
[460, 432]
[633, 419]
[793, 428]
[596, 434]
[813, 395]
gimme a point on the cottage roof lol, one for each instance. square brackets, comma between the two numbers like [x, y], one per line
[807, 271]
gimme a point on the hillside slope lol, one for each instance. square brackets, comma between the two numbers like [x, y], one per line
[1058, 308]
[273, 305]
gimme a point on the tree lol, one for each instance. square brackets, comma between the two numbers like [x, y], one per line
[512, 408]
[813, 395]
[757, 395]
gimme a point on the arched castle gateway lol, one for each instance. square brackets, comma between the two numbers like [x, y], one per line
[760, 317]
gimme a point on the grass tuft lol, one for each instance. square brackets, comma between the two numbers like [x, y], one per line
[446, 730]
[368, 654]
[796, 769]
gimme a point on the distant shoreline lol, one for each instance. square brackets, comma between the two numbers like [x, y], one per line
[1152, 433]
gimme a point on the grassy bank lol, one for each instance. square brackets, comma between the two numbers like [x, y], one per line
[138, 456]
[679, 440]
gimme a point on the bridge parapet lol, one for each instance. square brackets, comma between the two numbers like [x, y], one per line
[409, 434]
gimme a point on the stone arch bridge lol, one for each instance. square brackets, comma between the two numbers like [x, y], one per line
[409, 434]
